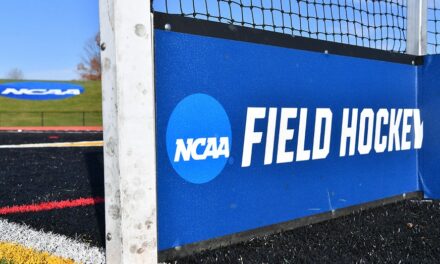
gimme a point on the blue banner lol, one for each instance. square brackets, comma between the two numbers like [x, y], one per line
[40, 90]
[252, 135]
[429, 101]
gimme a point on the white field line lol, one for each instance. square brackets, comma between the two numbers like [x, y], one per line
[57, 245]
[56, 145]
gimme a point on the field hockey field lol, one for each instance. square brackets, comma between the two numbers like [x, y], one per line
[84, 109]
[52, 201]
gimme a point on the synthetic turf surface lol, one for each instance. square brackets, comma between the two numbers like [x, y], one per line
[41, 175]
[16, 254]
[31, 176]
[406, 232]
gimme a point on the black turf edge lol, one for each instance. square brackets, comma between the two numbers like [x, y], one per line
[182, 24]
[236, 238]
[404, 232]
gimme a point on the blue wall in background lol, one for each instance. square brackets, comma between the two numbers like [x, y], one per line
[240, 75]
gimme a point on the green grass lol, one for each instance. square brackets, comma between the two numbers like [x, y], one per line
[67, 112]
[5, 261]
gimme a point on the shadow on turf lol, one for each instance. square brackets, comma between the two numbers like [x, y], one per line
[95, 167]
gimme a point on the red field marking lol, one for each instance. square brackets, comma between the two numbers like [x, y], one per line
[56, 128]
[48, 206]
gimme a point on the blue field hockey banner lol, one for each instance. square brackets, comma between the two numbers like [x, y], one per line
[429, 102]
[251, 135]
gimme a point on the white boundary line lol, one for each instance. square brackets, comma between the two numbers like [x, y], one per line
[57, 245]
[55, 145]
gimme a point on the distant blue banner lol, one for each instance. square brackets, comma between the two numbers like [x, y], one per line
[252, 135]
[40, 90]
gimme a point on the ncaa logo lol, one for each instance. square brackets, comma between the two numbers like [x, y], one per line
[40, 90]
[198, 138]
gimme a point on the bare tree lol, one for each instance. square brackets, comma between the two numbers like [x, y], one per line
[90, 66]
[15, 74]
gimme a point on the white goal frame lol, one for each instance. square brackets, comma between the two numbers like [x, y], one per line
[127, 57]
[128, 99]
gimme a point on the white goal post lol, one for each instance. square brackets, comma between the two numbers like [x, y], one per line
[127, 57]
[129, 131]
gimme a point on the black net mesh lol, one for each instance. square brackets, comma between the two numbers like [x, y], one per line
[433, 26]
[379, 24]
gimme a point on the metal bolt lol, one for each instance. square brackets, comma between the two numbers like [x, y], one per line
[109, 236]
[167, 27]
[103, 46]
